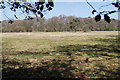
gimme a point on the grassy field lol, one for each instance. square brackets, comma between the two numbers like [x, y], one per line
[61, 55]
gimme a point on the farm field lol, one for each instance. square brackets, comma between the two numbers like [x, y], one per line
[61, 55]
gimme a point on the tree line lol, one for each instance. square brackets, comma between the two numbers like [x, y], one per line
[59, 24]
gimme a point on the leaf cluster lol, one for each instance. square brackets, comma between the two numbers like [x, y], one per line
[105, 13]
[37, 8]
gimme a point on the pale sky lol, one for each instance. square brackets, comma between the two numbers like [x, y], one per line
[78, 9]
[69, 0]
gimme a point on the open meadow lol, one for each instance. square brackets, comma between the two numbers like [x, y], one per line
[61, 55]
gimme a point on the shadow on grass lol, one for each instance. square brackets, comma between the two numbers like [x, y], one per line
[112, 40]
[108, 73]
[94, 50]
[90, 50]
[53, 68]
[25, 52]
[97, 51]
[60, 68]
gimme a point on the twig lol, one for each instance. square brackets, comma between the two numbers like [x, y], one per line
[106, 5]
[91, 6]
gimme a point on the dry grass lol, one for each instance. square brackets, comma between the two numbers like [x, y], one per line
[59, 34]
[61, 54]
